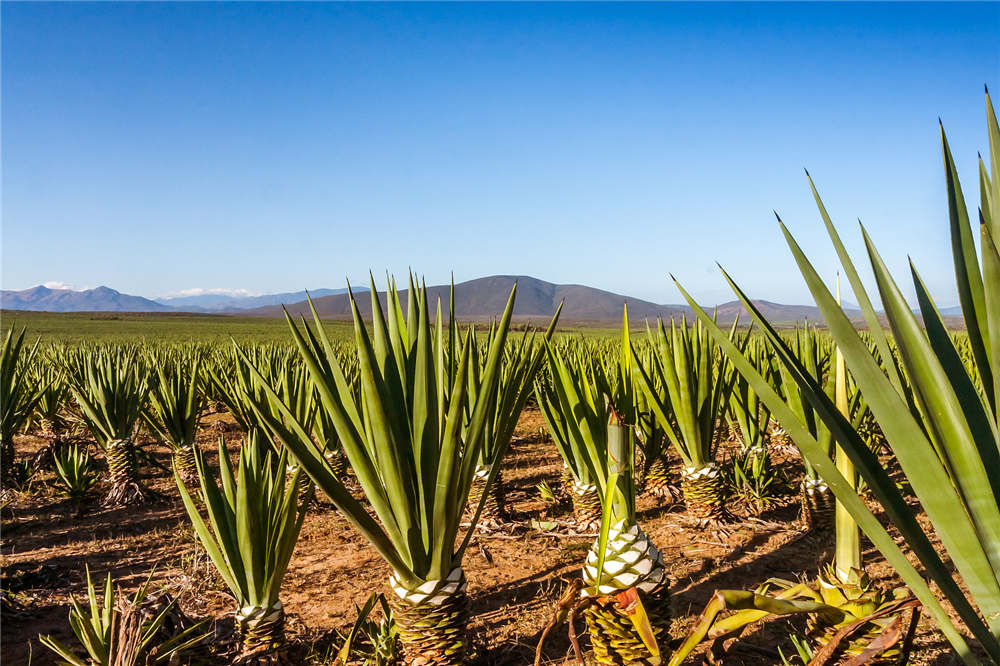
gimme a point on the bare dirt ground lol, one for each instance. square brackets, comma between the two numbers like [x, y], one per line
[514, 578]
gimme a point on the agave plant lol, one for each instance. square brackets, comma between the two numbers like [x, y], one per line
[651, 445]
[52, 397]
[18, 394]
[695, 388]
[940, 425]
[578, 479]
[255, 518]
[517, 373]
[175, 405]
[752, 473]
[110, 388]
[405, 442]
[125, 632]
[75, 472]
[625, 588]
[815, 495]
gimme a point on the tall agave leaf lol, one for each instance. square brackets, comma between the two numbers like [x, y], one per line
[255, 519]
[110, 388]
[404, 439]
[18, 394]
[947, 447]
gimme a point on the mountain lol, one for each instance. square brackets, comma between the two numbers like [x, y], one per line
[228, 303]
[101, 299]
[537, 300]
[477, 299]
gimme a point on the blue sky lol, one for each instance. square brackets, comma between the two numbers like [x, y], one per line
[159, 148]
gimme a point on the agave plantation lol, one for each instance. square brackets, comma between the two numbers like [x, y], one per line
[417, 442]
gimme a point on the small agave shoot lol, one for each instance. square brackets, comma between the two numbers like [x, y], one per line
[110, 388]
[175, 405]
[75, 473]
[625, 591]
[126, 632]
[18, 395]
[404, 439]
[255, 517]
[687, 388]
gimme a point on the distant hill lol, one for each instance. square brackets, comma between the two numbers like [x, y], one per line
[101, 299]
[477, 299]
[228, 303]
[537, 300]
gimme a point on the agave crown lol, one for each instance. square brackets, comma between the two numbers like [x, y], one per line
[406, 438]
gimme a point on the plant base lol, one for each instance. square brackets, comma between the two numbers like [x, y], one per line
[704, 493]
[631, 562]
[658, 482]
[495, 512]
[586, 507]
[123, 473]
[432, 620]
[818, 504]
[262, 634]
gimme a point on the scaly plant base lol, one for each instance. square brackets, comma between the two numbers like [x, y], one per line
[184, 461]
[586, 508]
[613, 635]
[495, 513]
[123, 473]
[631, 598]
[431, 620]
[704, 494]
[262, 635]
[818, 504]
[658, 482]
[337, 461]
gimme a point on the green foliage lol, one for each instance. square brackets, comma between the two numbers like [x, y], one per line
[119, 632]
[940, 425]
[110, 388]
[407, 439]
[75, 472]
[176, 400]
[18, 393]
[255, 519]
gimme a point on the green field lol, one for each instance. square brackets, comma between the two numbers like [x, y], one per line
[79, 327]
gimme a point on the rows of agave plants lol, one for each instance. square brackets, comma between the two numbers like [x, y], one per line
[405, 429]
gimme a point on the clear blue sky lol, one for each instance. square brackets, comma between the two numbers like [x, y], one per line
[157, 148]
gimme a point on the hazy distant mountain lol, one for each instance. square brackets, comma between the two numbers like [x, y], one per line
[226, 302]
[101, 299]
[481, 298]
[537, 300]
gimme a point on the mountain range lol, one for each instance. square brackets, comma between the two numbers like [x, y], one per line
[228, 302]
[480, 298]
